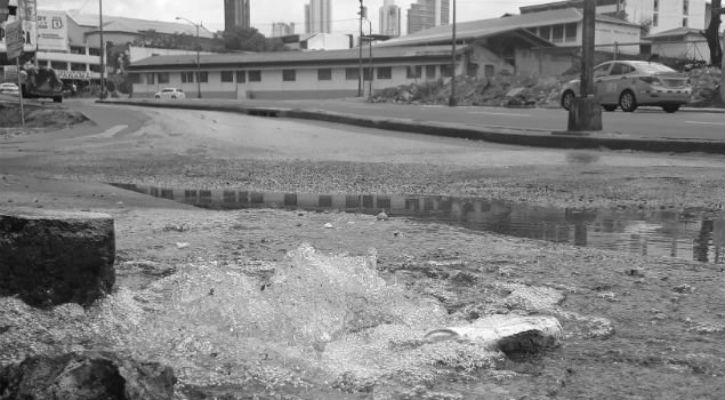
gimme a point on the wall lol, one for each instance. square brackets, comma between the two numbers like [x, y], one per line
[610, 33]
[483, 56]
[543, 62]
[670, 13]
[690, 48]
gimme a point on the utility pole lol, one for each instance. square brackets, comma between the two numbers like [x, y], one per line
[103, 51]
[452, 100]
[360, 45]
[585, 113]
[370, 43]
[198, 53]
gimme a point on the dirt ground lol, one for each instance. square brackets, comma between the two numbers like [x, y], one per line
[636, 327]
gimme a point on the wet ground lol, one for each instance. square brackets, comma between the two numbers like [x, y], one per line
[637, 326]
[696, 235]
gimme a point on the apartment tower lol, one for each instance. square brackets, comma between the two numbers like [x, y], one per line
[318, 16]
[426, 14]
[390, 19]
[236, 15]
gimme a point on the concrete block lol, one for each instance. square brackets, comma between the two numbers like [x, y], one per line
[49, 257]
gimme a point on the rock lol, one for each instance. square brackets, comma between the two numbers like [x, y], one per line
[182, 245]
[56, 257]
[382, 216]
[86, 376]
[510, 334]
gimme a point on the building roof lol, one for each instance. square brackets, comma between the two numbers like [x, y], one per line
[294, 57]
[135, 25]
[674, 33]
[562, 4]
[489, 27]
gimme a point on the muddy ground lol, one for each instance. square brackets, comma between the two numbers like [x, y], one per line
[636, 327]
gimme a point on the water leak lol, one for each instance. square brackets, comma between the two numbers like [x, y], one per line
[693, 235]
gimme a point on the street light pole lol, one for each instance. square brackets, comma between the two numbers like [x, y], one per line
[198, 54]
[452, 100]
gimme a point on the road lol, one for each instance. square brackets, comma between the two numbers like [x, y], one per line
[646, 122]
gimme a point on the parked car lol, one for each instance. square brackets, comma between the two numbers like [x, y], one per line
[9, 88]
[630, 84]
[170, 93]
[40, 83]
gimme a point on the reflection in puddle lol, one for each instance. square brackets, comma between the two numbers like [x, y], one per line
[695, 236]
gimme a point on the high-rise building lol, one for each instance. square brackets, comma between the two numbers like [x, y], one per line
[282, 29]
[427, 14]
[318, 16]
[390, 19]
[236, 14]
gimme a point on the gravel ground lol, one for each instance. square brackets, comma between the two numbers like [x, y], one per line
[636, 327]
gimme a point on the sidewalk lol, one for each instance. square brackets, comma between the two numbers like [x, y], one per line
[446, 122]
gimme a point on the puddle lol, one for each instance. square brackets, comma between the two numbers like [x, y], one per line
[697, 236]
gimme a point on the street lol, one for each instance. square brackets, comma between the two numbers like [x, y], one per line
[647, 122]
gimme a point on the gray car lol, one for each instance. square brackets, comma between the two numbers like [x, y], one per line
[630, 84]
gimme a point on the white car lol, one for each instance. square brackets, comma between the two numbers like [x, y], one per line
[170, 93]
[9, 88]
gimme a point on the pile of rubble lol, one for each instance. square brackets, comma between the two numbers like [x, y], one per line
[505, 90]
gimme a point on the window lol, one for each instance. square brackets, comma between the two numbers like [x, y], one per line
[545, 32]
[163, 77]
[414, 72]
[570, 32]
[255, 76]
[203, 77]
[367, 75]
[620, 69]
[601, 70]
[472, 69]
[187, 77]
[324, 74]
[95, 68]
[684, 22]
[289, 75]
[656, 5]
[134, 78]
[557, 34]
[77, 50]
[489, 70]
[352, 74]
[58, 65]
[685, 7]
[241, 77]
[151, 78]
[655, 20]
[446, 70]
[430, 72]
[385, 73]
[94, 51]
[78, 67]
[227, 76]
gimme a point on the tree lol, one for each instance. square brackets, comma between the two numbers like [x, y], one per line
[249, 39]
[712, 34]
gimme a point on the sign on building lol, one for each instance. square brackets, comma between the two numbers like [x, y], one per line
[14, 39]
[4, 11]
[52, 31]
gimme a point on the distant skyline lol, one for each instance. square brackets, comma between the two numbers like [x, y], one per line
[264, 13]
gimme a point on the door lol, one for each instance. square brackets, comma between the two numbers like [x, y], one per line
[600, 73]
[615, 83]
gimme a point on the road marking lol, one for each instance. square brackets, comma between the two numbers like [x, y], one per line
[111, 132]
[504, 114]
[704, 123]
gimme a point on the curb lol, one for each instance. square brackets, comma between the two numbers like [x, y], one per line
[562, 140]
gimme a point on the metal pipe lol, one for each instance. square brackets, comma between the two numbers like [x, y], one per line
[370, 41]
[103, 51]
[360, 44]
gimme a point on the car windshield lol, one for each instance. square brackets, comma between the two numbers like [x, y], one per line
[167, 90]
[653, 68]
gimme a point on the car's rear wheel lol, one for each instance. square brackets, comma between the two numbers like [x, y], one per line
[609, 107]
[671, 108]
[566, 99]
[627, 101]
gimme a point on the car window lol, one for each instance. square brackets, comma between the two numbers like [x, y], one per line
[653, 68]
[601, 70]
[620, 69]
[179, 90]
[167, 90]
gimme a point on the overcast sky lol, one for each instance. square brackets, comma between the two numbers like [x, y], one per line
[266, 12]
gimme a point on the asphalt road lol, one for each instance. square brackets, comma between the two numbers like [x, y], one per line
[646, 122]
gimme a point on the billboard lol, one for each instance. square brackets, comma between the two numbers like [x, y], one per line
[27, 12]
[52, 31]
